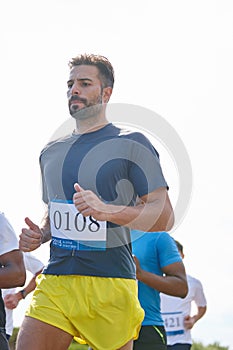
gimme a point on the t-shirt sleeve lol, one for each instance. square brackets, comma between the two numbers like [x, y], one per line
[145, 170]
[199, 298]
[8, 238]
[43, 183]
[167, 250]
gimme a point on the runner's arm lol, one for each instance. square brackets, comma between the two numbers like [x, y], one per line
[154, 213]
[11, 300]
[173, 282]
[189, 321]
[12, 271]
[32, 237]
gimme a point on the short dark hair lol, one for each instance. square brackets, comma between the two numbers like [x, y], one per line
[102, 63]
[179, 246]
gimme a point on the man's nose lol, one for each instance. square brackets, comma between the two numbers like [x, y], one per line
[75, 89]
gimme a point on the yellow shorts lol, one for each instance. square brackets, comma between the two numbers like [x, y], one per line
[102, 312]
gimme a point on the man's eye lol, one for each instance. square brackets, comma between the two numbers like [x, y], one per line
[84, 84]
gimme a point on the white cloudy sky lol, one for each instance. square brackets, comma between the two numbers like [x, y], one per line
[172, 57]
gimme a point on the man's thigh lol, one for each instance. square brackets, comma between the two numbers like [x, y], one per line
[128, 346]
[38, 335]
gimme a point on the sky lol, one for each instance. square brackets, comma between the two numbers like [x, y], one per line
[172, 58]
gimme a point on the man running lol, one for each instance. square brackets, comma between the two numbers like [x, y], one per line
[90, 180]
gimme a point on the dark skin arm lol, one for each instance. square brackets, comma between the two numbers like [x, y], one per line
[12, 271]
[11, 300]
[172, 283]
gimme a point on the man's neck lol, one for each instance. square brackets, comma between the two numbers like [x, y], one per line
[90, 125]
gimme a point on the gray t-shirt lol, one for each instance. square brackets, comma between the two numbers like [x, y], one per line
[117, 165]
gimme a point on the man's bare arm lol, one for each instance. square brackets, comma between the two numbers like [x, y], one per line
[154, 213]
[189, 321]
[172, 283]
[32, 237]
[12, 270]
[11, 300]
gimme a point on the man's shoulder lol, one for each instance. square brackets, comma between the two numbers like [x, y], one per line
[132, 134]
[161, 240]
[193, 280]
[56, 143]
[137, 139]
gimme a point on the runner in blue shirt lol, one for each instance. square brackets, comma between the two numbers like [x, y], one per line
[159, 269]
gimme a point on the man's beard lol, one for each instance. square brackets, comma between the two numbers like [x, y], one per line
[90, 110]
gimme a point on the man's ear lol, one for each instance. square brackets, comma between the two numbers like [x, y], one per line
[107, 92]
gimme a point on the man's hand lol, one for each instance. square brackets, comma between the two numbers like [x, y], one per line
[88, 204]
[189, 322]
[31, 237]
[11, 301]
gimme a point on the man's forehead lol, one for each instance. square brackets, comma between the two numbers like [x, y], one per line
[84, 71]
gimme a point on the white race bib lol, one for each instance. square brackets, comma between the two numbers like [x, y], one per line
[67, 225]
[174, 323]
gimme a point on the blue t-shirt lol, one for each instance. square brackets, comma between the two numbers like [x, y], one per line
[117, 165]
[154, 251]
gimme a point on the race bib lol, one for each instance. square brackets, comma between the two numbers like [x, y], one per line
[71, 230]
[174, 323]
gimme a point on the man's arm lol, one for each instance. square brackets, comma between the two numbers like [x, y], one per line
[189, 321]
[32, 237]
[11, 300]
[172, 283]
[154, 213]
[12, 270]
